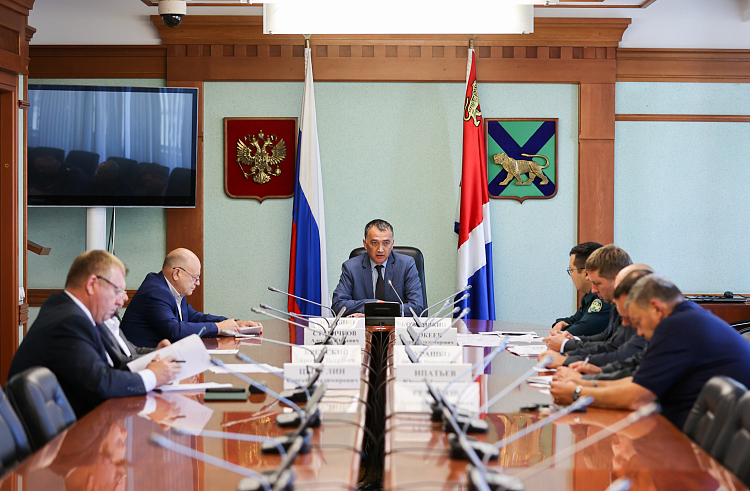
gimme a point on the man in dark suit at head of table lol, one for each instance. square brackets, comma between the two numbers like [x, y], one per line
[366, 278]
[159, 309]
[67, 337]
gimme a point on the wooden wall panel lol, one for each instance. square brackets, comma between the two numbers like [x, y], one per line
[596, 190]
[98, 62]
[683, 65]
[597, 111]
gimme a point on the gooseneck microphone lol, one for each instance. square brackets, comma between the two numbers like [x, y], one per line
[397, 296]
[446, 300]
[462, 314]
[427, 325]
[276, 290]
[300, 394]
[281, 478]
[299, 316]
[164, 442]
[317, 358]
[488, 452]
[290, 321]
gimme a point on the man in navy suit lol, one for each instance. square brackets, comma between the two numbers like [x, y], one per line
[67, 337]
[365, 278]
[159, 309]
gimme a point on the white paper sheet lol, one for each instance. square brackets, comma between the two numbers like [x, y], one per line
[223, 351]
[545, 380]
[477, 340]
[247, 368]
[190, 349]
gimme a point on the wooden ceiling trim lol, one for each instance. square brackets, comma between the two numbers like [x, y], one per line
[209, 29]
[683, 65]
[99, 61]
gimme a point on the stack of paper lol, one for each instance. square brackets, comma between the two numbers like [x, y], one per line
[531, 350]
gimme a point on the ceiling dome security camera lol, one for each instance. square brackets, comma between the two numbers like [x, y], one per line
[172, 11]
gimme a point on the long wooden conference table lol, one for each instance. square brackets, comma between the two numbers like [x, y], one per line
[109, 448]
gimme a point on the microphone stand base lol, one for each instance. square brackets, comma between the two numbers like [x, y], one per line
[299, 394]
[481, 448]
[255, 390]
[437, 412]
[468, 424]
[493, 480]
[287, 440]
[282, 482]
[292, 420]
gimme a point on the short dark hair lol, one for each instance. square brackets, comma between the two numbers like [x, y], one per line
[630, 279]
[381, 225]
[582, 253]
[608, 261]
[94, 262]
[654, 286]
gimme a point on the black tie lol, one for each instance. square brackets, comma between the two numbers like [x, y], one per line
[380, 284]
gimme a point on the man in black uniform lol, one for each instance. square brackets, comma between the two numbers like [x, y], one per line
[593, 316]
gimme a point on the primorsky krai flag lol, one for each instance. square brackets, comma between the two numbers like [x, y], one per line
[473, 215]
[307, 265]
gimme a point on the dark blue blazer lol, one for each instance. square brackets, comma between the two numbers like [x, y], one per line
[152, 315]
[63, 339]
[355, 287]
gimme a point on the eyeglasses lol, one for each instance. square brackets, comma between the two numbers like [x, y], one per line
[118, 291]
[570, 270]
[196, 279]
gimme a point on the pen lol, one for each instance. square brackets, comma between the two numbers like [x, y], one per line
[585, 361]
[178, 361]
[203, 329]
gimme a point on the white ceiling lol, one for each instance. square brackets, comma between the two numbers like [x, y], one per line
[664, 24]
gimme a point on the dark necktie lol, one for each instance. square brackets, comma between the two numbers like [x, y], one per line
[119, 359]
[380, 284]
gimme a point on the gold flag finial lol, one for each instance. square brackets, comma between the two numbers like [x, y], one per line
[307, 40]
[471, 41]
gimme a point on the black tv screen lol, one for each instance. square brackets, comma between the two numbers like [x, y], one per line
[112, 146]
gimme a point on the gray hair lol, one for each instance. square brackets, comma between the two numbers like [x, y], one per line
[653, 286]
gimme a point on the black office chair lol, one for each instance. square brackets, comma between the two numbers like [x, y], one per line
[712, 410]
[732, 447]
[14, 445]
[409, 251]
[86, 161]
[41, 404]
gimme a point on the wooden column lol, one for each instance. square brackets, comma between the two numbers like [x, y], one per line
[596, 162]
[185, 225]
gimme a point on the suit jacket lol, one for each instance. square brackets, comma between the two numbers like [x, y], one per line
[120, 359]
[152, 315]
[63, 339]
[355, 287]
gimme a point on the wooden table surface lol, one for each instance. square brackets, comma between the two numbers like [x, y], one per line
[109, 448]
[653, 453]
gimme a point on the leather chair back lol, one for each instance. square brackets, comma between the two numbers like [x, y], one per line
[14, 445]
[86, 161]
[732, 447]
[712, 410]
[41, 404]
[409, 251]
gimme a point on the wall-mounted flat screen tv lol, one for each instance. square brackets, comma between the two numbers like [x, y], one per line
[112, 146]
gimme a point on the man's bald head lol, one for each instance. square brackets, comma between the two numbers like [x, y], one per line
[183, 269]
[179, 258]
[629, 269]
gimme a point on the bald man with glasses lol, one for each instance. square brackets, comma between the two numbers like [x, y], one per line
[159, 309]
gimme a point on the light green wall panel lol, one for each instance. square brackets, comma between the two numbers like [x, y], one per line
[393, 151]
[681, 187]
[140, 239]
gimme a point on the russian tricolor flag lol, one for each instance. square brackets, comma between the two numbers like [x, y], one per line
[473, 215]
[307, 265]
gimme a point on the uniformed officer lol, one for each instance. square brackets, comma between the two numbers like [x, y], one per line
[593, 316]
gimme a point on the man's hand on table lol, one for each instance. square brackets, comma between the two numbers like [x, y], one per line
[558, 327]
[562, 391]
[228, 326]
[557, 358]
[565, 373]
[585, 368]
[250, 324]
[165, 370]
[555, 340]
[163, 344]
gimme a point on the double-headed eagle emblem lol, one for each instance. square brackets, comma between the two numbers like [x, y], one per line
[261, 154]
